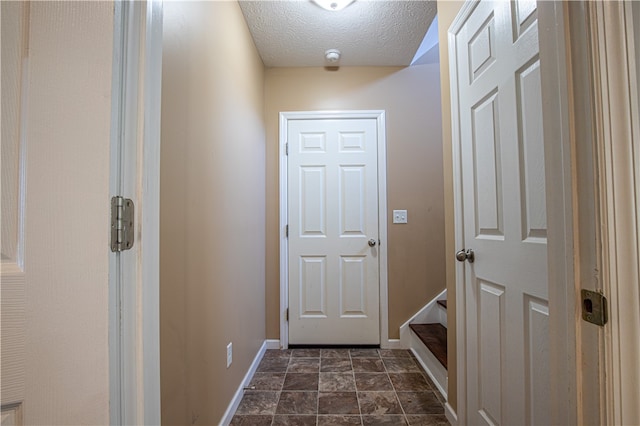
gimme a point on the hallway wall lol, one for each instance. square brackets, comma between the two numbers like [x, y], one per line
[212, 209]
[411, 98]
[447, 11]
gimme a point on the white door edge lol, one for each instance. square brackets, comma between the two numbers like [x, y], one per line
[379, 116]
[563, 323]
[134, 348]
[461, 303]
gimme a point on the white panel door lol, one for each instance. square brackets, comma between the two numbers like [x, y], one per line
[503, 203]
[14, 26]
[56, 110]
[333, 219]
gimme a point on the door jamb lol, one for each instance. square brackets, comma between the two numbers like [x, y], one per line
[613, 34]
[134, 332]
[379, 115]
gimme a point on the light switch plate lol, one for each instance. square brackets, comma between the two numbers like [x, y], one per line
[399, 216]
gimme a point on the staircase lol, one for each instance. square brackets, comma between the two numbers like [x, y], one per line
[426, 335]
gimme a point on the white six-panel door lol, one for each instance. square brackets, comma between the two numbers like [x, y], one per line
[497, 72]
[333, 219]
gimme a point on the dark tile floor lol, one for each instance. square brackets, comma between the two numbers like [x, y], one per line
[340, 387]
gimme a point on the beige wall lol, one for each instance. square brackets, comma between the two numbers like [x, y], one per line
[447, 11]
[64, 135]
[212, 209]
[410, 97]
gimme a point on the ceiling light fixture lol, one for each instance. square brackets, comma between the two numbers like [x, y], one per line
[333, 5]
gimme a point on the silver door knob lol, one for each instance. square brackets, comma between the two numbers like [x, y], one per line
[468, 255]
[372, 242]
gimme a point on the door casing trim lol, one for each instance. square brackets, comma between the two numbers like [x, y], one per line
[379, 116]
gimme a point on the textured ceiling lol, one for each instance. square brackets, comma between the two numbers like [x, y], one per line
[296, 33]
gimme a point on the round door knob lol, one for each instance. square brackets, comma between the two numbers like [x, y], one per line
[372, 242]
[462, 255]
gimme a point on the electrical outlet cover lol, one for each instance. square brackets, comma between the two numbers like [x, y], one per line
[399, 216]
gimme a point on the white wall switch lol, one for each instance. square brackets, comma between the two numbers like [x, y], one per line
[229, 354]
[399, 216]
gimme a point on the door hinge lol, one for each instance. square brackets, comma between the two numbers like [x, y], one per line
[286, 231]
[594, 307]
[286, 148]
[122, 232]
[287, 315]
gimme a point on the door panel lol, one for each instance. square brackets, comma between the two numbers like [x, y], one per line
[504, 210]
[15, 26]
[313, 287]
[55, 277]
[487, 167]
[333, 213]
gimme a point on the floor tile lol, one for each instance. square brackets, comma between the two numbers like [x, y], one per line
[336, 386]
[258, 403]
[335, 365]
[297, 403]
[240, 420]
[388, 420]
[267, 381]
[428, 379]
[420, 403]
[277, 353]
[273, 365]
[333, 420]
[367, 365]
[338, 403]
[373, 382]
[379, 403]
[394, 353]
[335, 382]
[428, 420]
[294, 420]
[306, 353]
[401, 365]
[334, 353]
[364, 353]
[438, 395]
[301, 381]
[407, 382]
[304, 365]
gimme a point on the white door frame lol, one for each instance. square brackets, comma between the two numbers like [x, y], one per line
[591, 101]
[134, 321]
[613, 29]
[379, 116]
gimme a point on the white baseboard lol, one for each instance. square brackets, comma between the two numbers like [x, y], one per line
[451, 414]
[431, 365]
[235, 402]
[425, 315]
[392, 344]
[272, 343]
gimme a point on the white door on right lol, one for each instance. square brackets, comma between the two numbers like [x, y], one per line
[496, 70]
